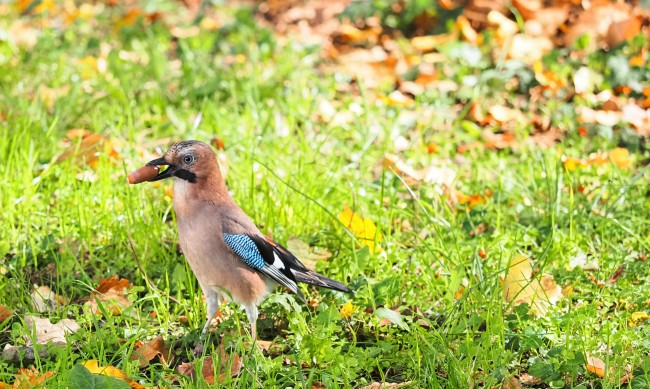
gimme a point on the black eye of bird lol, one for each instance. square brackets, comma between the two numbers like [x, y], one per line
[189, 158]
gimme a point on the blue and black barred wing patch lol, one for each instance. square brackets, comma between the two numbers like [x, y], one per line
[246, 249]
[258, 254]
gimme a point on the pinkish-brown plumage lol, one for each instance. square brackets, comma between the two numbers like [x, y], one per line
[228, 254]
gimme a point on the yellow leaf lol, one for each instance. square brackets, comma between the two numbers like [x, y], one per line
[363, 228]
[620, 157]
[520, 286]
[572, 163]
[93, 366]
[637, 318]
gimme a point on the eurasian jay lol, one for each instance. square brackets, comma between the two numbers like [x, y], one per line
[224, 248]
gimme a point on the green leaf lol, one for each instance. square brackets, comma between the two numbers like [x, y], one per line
[392, 316]
[81, 378]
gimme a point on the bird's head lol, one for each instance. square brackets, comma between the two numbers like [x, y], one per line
[191, 160]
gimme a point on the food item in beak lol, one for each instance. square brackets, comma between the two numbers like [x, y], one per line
[143, 174]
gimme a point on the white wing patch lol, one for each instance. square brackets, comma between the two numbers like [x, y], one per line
[277, 262]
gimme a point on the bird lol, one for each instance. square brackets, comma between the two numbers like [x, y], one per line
[227, 253]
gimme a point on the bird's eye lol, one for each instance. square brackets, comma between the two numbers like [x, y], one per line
[188, 159]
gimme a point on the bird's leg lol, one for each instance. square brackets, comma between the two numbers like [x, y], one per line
[213, 300]
[251, 312]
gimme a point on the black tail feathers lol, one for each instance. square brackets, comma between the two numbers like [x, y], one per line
[313, 278]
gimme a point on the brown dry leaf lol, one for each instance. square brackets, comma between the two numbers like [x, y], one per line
[623, 30]
[528, 379]
[43, 299]
[307, 254]
[155, 348]
[46, 331]
[349, 34]
[511, 383]
[5, 313]
[387, 385]
[207, 371]
[499, 141]
[617, 274]
[434, 174]
[89, 150]
[596, 21]
[111, 292]
[520, 286]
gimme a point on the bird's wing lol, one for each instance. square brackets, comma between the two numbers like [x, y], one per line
[259, 254]
[301, 273]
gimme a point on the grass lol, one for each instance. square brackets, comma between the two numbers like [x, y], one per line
[67, 225]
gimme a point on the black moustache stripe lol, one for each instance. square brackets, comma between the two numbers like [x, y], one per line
[185, 175]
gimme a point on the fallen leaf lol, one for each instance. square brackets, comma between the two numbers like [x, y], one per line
[43, 299]
[596, 366]
[467, 32]
[307, 254]
[622, 30]
[30, 378]
[155, 348]
[111, 292]
[364, 229]
[430, 42]
[89, 150]
[510, 383]
[434, 174]
[46, 331]
[499, 141]
[617, 274]
[388, 385]
[621, 157]
[110, 371]
[5, 313]
[637, 318]
[520, 286]
[208, 369]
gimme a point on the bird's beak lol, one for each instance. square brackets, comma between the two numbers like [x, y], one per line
[169, 172]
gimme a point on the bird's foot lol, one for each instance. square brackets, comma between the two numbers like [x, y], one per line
[198, 349]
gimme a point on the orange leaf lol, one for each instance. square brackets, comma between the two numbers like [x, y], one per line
[620, 157]
[467, 31]
[596, 366]
[30, 378]
[5, 313]
[112, 292]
